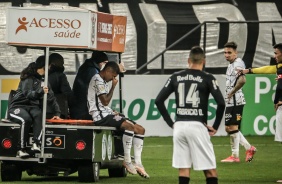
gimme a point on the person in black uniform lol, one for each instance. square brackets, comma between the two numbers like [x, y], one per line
[25, 107]
[60, 86]
[191, 134]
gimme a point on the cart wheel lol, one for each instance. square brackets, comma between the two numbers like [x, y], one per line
[10, 172]
[89, 172]
[117, 172]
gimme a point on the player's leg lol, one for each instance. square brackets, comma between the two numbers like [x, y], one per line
[202, 152]
[127, 140]
[181, 151]
[278, 129]
[211, 176]
[183, 175]
[250, 150]
[138, 141]
[232, 129]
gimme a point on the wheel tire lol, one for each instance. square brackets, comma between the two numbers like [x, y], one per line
[10, 172]
[89, 172]
[117, 172]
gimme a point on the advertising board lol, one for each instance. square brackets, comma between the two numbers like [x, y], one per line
[65, 28]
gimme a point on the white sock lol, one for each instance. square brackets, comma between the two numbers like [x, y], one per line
[127, 144]
[138, 141]
[243, 141]
[234, 141]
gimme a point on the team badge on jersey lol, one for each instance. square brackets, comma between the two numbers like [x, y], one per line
[101, 88]
[117, 117]
[17, 111]
[239, 117]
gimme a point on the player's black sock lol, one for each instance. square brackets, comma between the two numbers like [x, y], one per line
[183, 180]
[212, 180]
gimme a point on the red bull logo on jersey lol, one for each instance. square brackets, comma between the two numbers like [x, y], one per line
[189, 77]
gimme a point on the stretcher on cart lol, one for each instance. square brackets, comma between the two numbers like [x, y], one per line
[68, 146]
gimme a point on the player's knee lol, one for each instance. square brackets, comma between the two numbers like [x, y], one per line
[127, 126]
[139, 129]
[227, 129]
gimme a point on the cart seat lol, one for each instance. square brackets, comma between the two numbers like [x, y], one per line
[70, 121]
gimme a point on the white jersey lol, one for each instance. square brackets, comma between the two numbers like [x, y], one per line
[231, 76]
[98, 86]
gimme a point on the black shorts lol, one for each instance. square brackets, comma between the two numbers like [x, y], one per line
[233, 115]
[112, 121]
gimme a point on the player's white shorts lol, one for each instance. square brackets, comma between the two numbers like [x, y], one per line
[192, 146]
[278, 129]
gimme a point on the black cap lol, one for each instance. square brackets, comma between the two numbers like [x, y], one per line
[99, 57]
[56, 59]
[40, 62]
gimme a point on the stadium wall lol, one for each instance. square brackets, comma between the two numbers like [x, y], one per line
[139, 93]
[153, 25]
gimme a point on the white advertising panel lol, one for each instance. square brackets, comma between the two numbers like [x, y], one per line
[65, 28]
[48, 27]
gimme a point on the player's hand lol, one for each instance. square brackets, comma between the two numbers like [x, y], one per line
[211, 130]
[115, 112]
[277, 105]
[45, 89]
[121, 67]
[245, 71]
[56, 117]
[114, 81]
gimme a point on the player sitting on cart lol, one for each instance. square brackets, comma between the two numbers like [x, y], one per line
[99, 97]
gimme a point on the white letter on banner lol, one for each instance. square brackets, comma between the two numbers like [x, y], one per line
[157, 32]
[256, 125]
[211, 13]
[272, 124]
[264, 50]
[258, 90]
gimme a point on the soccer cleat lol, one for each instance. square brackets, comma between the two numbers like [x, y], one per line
[231, 159]
[22, 154]
[141, 171]
[35, 147]
[250, 153]
[129, 167]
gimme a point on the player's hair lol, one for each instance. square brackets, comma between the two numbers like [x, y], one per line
[197, 54]
[278, 46]
[113, 66]
[232, 45]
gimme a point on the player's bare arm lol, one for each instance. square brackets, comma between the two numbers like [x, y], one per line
[239, 84]
[106, 98]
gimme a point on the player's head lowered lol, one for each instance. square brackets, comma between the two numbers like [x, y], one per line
[197, 55]
[110, 71]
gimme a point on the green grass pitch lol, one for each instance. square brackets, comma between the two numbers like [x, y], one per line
[157, 155]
